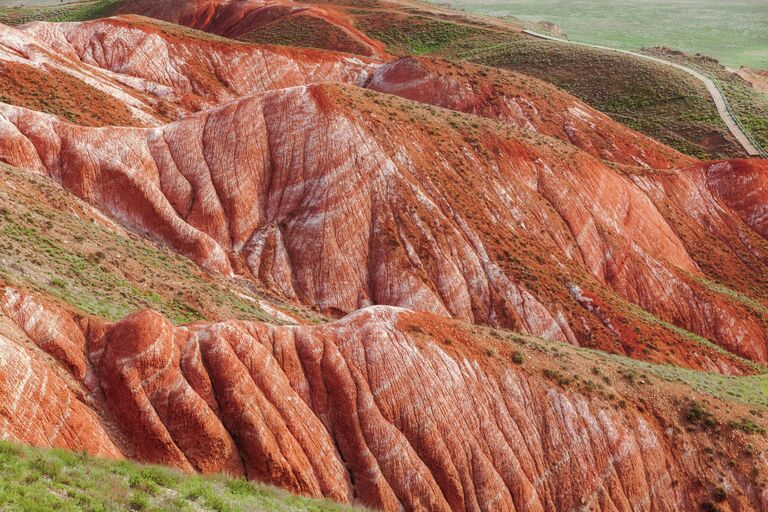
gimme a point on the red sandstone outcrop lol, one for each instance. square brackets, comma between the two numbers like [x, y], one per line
[344, 198]
[385, 407]
[524, 102]
[40, 403]
[152, 72]
[238, 18]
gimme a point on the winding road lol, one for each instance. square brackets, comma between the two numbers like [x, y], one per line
[723, 108]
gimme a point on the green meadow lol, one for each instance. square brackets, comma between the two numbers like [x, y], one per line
[734, 31]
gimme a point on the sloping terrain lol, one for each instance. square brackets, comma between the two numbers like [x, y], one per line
[283, 219]
[148, 72]
[54, 243]
[36, 480]
[658, 101]
[252, 20]
[385, 407]
[411, 283]
[746, 89]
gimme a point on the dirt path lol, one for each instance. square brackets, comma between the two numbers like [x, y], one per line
[723, 108]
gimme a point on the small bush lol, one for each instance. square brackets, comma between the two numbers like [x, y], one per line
[747, 426]
[696, 414]
[517, 357]
[719, 495]
[58, 283]
[139, 501]
[240, 487]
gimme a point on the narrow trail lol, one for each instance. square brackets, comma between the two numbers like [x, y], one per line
[723, 108]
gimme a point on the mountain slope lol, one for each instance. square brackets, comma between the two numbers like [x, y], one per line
[475, 430]
[251, 20]
[586, 308]
[656, 100]
[283, 218]
[39, 480]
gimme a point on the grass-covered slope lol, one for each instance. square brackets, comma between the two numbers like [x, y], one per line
[749, 103]
[80, 11]
[38, 480]
[52, 242]
[733, 31]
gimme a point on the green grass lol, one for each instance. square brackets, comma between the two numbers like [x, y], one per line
[750, 105]
[751, 390]
[662, 102]
[735, 32]
[418, 36]
[37, 480]
[68, 12]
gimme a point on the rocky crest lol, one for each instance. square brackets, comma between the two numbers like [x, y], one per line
[241, 19]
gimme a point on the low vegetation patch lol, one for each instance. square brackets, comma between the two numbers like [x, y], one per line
[40, 480]
[79, 11]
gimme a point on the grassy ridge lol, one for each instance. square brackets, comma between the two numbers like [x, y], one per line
[749, 104]
[734, 31]
[38, 480]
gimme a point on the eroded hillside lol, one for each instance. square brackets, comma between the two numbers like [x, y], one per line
[407, 283]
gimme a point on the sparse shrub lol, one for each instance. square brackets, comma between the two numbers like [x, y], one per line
[59, 283]
[139, 501]
[696, 414]
[240, 487]
[708, 506]
[719, 495]
[747, 426]
[47, 467]
[517, 357]
[142, 484]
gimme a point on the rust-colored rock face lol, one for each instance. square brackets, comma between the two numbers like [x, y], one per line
[429, 210]
[238, 18]
[378, 408]
[429, 207]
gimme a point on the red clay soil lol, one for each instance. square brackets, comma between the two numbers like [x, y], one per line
[387, 408]
[49, 90]
[238, 19]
